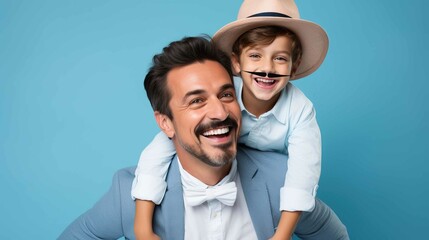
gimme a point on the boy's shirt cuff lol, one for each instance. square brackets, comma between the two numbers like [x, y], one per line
[292, 199]
[148, 187]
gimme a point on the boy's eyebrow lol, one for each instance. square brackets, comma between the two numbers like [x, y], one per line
[257, 48]
[283, 51]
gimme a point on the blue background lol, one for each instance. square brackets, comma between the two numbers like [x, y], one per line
[73, 109]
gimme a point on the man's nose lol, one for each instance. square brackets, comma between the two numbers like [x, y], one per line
[217, 110]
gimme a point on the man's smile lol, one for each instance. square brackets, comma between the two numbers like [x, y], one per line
[217, 132]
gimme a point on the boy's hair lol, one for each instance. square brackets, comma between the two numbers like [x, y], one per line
[180, 53]
[265, 36]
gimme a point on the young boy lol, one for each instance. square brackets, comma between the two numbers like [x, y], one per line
[269, 46]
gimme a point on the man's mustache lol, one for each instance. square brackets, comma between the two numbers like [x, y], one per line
[268, 75]
[203, 127]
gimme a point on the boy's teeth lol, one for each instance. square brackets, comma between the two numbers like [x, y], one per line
[218, 131]
[265, 80]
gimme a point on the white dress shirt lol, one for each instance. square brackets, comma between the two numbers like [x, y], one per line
[213, 220]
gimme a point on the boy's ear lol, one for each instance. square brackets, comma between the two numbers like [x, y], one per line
[235, 63]
[165, 123]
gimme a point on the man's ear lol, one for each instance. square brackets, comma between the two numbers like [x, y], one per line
[235, 61]
[165, 123]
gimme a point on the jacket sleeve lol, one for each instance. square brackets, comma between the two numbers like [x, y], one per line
[105, 219]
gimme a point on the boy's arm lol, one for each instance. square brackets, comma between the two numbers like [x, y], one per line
[143, 220]
[287, 224]
[302, 177]
[149, 185]
[304, 163]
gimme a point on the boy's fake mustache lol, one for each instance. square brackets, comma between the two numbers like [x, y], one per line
[268, 75]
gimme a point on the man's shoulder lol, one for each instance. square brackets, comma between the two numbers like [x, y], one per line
[268, 160]
[123, 178]
[125, 173]
[253, 153]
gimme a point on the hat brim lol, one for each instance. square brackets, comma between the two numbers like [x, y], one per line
[313, 38]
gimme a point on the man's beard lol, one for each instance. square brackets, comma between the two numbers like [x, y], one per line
[226, 155]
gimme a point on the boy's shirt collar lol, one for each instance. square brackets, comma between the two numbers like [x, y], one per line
[279, 109]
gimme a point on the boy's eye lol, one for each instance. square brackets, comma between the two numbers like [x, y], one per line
[281, 58]
[254, 55]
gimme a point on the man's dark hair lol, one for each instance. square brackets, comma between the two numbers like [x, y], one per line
[181, 53]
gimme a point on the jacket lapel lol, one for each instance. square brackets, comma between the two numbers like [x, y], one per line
[172, 207]
[256, 194]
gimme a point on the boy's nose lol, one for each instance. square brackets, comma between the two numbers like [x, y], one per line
[267, 66]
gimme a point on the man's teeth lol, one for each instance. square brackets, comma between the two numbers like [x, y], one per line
[218, 131]
[264, 80]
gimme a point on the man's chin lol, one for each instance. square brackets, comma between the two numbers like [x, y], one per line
[223, 157]
[215, 155]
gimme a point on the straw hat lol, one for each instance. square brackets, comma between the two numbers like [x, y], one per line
[284, 13]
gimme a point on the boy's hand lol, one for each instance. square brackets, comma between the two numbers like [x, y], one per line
[148, 236]
[287, 223]
[277, 237]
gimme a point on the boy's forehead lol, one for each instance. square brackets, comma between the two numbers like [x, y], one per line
[281, 43]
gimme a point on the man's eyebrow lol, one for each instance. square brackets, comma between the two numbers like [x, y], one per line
[226, 86]
[194, 92]
[202, 91]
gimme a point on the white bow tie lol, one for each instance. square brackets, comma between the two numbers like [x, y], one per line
[226, 194]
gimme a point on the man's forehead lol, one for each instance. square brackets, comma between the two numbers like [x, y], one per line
[199, 77]
[196, 90]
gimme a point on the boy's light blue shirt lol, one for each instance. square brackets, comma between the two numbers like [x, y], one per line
[290, 127]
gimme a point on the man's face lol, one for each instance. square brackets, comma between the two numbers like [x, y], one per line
[206, 116]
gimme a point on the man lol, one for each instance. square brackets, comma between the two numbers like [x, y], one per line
[210, 195]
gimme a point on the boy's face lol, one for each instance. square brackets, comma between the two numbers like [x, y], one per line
[273, 58]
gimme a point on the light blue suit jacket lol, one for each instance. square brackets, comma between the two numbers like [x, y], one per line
[261, 173]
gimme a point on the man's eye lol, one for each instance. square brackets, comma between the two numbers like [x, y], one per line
[196, 101]
[228, 95]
